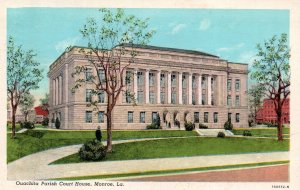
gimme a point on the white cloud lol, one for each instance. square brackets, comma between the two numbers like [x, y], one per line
[204, 24]
[232, 48]
[176, 27]
[247, 57]
[62, 45]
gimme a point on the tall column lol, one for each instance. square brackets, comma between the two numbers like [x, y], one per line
[135, 86]
[180, 87]
[56, 91]
[66, 94]
[190, 89]
[60, 89]
[53, 92]
[200, 89]
[209, 90]
[169, 87]
[158, 86]
[147, 86]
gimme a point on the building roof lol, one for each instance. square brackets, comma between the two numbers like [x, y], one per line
[39, 110]
[169, 49]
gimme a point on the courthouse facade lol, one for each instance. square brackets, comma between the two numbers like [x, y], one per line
[176, 85]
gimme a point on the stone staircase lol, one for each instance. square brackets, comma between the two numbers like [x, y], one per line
[213, 132]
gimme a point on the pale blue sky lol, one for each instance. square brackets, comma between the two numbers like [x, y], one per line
[230, 34]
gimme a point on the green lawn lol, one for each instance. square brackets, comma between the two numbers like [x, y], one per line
[193, 146]
[26, 143]
[271, 132]
[9, 126]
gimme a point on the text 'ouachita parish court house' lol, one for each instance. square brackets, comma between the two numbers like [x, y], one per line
[179, 85]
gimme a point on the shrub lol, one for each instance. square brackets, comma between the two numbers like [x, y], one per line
[45, 121]
[202, 126]
[247, 133]
[35, 133]
[157, 121]
[57, 123]
[92, 151]
[189, 126]
[228, 125]
[221, 134]
[153, 126]
[27, 125]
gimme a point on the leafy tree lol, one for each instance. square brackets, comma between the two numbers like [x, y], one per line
[23, 75]
[112, 42]
[44, 102]
[271, 70]
[255, 95]
[26, 103]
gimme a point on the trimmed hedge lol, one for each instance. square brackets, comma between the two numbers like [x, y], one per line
[92, 151]
[228, 125]
[221, 134]
[189, 126]
[153, 126]
[27, 125]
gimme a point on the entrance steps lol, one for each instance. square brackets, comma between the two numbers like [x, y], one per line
[213, 132]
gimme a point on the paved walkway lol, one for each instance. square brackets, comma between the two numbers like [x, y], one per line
[35, 166]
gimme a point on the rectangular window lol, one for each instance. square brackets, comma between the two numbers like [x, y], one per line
[142, 117]
[173, 98]
[128, 78]
[128, 97]
[196, 117]
[194, 84]
[152, 97]
[203, 99]
[184, 97]
[154, 117]
[151, 79]
[162, 97]
[237, 101]
[173, 80]
[229, 100]
[101, 97]
[229, 117]
[101, 75]
[88, 116]
[184, 81]
[237, 117]
[205, 117]
[193, 98]
[88, 74]
[140, 97]
[215, 117]
[229, 84]
[203, 83]
[101, 117]
[130, 117]
[162, 80]
[140, 78]
[88, 95]
[237, 84]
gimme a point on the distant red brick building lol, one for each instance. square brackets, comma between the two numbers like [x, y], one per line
[41, 112]
[267, 112]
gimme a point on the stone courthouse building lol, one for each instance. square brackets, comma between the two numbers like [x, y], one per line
[178, 85]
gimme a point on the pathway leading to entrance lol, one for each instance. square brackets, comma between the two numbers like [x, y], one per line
[35, 166]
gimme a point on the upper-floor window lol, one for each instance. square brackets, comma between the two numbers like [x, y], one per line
[152, 97]
[162, 97]
[128, 77]
[88, 95]
[101, 97]
[194, 83]
[140, 97]
[88, 117]
[173, 98]
[229, 84]
[151, 79]
[203, 82]
[237, 84]
[228, 100]
[162, 80]
[101, 75]
[88, 74]
[184, 81]
[140, 78]
[101, 117]
[237, 101]
[128, 97]
[203, 99]
[212, 82]
[173, 80]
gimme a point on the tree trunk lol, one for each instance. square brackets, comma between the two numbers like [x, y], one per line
[279, 128]
[26, 115]
[109, 133]
[13, 128]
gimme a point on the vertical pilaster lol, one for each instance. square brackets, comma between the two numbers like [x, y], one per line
[147, 86]
[200, 89]
[158, 86]
[180, 88]
[209, 90]
[53, 92]
[190, 88]
[60, 89]
[135, 86]
[56, 87]
[66, 97]
[169, 87]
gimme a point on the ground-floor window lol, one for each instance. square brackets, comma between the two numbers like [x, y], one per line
[215, 117]
[142, 117]
[101, 117]
[196, 117]
[229, 117]
[154, 117]
[88, 117]
[205, 117]
[237, 117]
[130, 117]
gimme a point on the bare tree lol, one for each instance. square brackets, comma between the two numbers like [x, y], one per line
[112, 42]
[272, 72]
[23, 75]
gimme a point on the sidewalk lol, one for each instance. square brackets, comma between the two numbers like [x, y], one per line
[35, 166]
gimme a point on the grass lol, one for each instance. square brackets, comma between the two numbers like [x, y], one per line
[9, 126]
[166, 148]
[271, 132]
[151, 173]
[30, 142]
